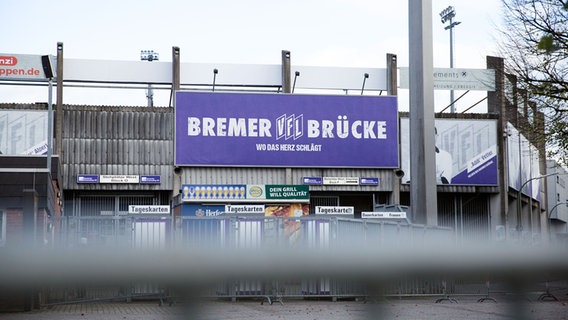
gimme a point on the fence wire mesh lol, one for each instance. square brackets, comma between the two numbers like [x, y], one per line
[125, 257]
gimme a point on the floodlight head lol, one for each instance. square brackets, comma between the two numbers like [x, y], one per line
[47, 67]
[447, 14]
[149, 55]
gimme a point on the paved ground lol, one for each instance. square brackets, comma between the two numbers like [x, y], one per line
[465, 308]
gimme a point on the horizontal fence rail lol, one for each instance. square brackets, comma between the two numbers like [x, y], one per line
[127, 257]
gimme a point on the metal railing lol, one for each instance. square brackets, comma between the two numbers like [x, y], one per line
[245, 232]
[127, 257]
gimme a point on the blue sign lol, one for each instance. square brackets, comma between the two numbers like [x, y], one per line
[198, 210]
[312, 180]
[285, 130]
[193, 192]
[369, 181]
[150, 179]
[87, 178]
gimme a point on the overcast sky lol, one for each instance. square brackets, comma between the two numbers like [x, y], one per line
[342, 33]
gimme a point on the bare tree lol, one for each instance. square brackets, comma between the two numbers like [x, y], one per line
[535, 45]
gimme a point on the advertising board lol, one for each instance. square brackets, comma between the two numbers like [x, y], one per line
[456, 79]
[272, 130]
[229, 193]
[23, 132]
[523, 163]
[25, 66]
[466, 151]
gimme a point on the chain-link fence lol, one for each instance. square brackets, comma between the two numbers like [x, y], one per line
[238, 232]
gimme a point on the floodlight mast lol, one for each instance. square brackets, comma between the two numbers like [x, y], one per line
[149, 55]
[448, 14]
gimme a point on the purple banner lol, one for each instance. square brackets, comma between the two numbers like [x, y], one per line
[150, 179]
[312, 180]
[240, 129]
[369, 181]
[87, 178]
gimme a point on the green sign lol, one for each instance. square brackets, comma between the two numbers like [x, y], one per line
[287, 192]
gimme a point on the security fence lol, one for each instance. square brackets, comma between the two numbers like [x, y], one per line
[254, 233]
[124, 232]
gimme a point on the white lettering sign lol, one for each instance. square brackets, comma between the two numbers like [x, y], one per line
[228, 127]
[341, 181]
[287, 127]
[385, 215]
[482, 158]
[111, 178]
[132, 209]
[244, 208]
[457, 79]
[335, 210]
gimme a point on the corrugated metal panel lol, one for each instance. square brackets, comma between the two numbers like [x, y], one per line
[109, 140]
[223, 175]
[458, 189]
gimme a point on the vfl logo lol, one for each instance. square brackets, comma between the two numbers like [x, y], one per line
[288, 127]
